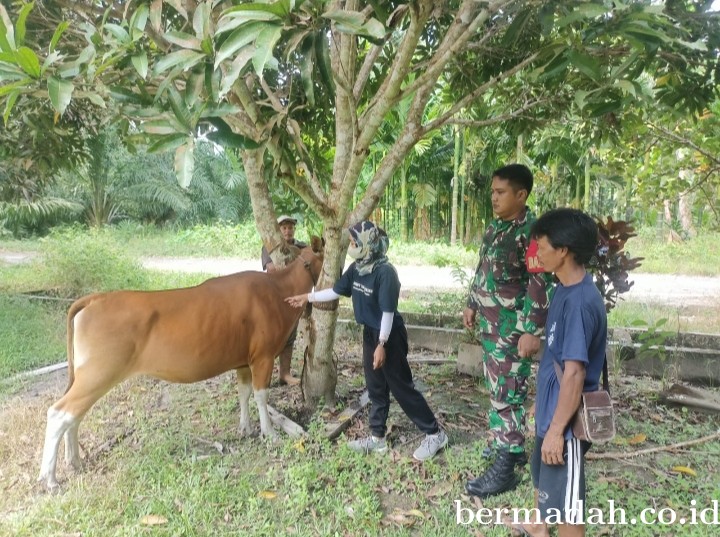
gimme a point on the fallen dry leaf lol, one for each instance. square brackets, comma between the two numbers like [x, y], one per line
[267, 494]
[637, 439]
[684, 470]
[153, 520]
[441, 489]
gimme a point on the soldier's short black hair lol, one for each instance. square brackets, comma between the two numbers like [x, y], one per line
[568, 228]
[518, 175]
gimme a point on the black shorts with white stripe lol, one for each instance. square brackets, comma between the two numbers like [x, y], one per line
[561, 488]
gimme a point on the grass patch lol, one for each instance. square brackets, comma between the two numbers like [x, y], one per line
[152, 448]
[32, 334]
[697, 256]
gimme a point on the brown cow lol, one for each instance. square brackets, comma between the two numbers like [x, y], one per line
[240, 322]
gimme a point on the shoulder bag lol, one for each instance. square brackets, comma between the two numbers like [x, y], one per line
[594, 420]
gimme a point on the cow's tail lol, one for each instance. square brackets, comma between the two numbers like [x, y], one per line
[76, 308]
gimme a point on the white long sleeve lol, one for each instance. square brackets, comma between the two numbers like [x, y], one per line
[325, 295]
[386, 324]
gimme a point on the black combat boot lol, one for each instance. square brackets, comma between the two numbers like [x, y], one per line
[500, 477]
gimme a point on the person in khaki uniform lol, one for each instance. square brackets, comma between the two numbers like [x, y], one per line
[287, 228]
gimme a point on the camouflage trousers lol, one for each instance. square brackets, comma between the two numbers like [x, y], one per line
[506, 377]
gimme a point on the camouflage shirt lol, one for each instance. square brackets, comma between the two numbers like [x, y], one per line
[509, 298]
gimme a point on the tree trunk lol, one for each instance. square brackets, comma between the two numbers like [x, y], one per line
[403, 203]
[685, 214]
[319, 377]
[455, 187]
[586, 204]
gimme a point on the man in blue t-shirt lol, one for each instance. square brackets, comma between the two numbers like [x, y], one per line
[576, 336]
[374, 286]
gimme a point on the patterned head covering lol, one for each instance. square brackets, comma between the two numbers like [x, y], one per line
[371, 246]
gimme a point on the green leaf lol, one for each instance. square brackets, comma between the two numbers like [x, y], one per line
[49, 60]
[212, 82]
[96, 99]
[222, 109]
[307, 60]
[231, 140]
[185, 162]
[168, 143]
[626, 86]
[9, 88]
[126, 96]
[265, 44]
[230, 22]
[238, 39]
[60, 93]
[156, 15]
[350, 19]
[236, 68]
[642, 31]
[58, 34]
[20, 24]
[28, 61]
[7, 31]
[118, 33]
[140, 62]
[585, 64]
[374, 28]
[618, 71]
[207, 46]
[225, 137]
[11, 72]
[580, 96]
[138, 22]
[179, 108]
[183, 40]
[585, 11]
[201, 20]
[160, 127]
[184, 59]
[9, 103]
[280, 9]
[322, 57]
[194, 86]
[695, 45]
[515, 30]
[604, 108]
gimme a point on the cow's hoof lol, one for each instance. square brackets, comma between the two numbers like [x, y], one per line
[50, 483]
[75, 465]
[245, 432]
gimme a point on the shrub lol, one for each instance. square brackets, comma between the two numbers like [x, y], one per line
[76, 261]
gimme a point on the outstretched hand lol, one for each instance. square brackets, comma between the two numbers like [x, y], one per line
[297, 301]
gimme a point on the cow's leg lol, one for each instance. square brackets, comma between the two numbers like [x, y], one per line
[244, 376]
[57, 423]
[72, 446]
[64, 417]
[261, 373]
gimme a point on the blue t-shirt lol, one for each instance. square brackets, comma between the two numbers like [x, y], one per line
[576, 329]
[372, 294]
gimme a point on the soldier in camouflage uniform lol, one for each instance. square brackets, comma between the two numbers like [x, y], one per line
[510, 293]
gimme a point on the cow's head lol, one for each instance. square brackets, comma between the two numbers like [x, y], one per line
[312, 256]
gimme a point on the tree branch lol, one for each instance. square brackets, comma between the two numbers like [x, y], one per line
[465, 101]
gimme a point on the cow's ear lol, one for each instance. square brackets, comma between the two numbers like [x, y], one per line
[317, 244]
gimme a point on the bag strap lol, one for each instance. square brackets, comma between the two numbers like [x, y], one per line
[605, 382]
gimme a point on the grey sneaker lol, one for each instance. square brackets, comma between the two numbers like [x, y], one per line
[431, 445]
[371, 444]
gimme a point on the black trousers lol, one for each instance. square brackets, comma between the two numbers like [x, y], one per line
[394, 377]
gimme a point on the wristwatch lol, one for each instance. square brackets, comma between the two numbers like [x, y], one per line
[381, 342]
